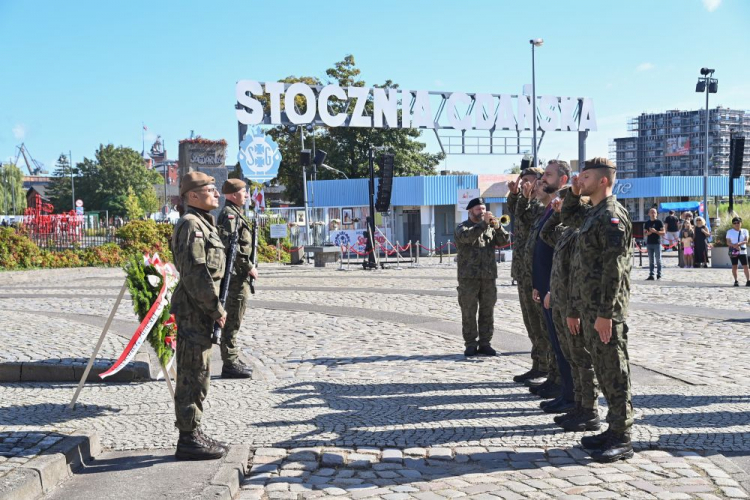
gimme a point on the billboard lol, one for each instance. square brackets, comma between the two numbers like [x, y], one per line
[677, 146]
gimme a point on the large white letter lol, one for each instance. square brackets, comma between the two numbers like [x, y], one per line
[548, 110]
[423, 110]
[386, 105]
[588, 118]
[453, 113]
[255, 116]
[568, 107]
[325, 93]
[274, 90]
[484, 111]
[506, 120]
[406, 97]
[524, 113]
[359, 119]
[292, 92]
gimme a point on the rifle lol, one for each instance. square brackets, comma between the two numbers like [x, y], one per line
[224, 291]
[255, 252]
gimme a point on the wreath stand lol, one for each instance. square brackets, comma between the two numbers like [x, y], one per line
[99, 345]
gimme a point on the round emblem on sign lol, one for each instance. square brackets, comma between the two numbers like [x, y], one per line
[79, 203]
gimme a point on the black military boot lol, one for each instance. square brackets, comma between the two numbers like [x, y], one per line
[595, 442]
[586, 420]
[617, 447]
[211, 441]
[470, 351]
[191, 446]
[559, 405]
[486, 350]
[534, 389]
[559, 419]
[550, 392]
[529, 375]
[238, 369]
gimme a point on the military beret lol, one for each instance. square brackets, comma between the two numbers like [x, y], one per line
[538, 171]
[475, 202]
[598, 162]
[232, 186]
[194, 180]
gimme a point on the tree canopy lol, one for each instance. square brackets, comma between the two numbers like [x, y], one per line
[348, 147]
[12, 193]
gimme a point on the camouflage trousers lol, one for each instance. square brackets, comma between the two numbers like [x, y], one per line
[193, 377]
[574, 349]
[477, 296]
[612, 367]
[237, 299]
[541, 350]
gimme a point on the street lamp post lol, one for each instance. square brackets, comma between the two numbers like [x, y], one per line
[709, 86]
[536, 42]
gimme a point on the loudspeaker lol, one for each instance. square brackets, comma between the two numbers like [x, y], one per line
[736, 155]
[526, 163]
[305, 157]
[383, 201]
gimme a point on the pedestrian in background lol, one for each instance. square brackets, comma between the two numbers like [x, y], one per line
[737, 242]
[686, 243]
[700, 243]
[654, 230]
[673, 231]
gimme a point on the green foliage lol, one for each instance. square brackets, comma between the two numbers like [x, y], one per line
[720, 233]
[144, 295]
[146, 236]
[60, 189]
[104, 182]
[148, 200]
[133, 208]
[347, 147]
[12, 193]
[236, 172]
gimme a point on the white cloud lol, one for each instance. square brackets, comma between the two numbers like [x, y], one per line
[19, 132]
[644, 66]
[711, 5]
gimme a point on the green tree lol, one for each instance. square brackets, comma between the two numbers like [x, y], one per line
[59, 191]
[236, 173]
[104, 182]
[348, 147]
[133, 208]
[148, 200]
[12, 193]
[515, 169]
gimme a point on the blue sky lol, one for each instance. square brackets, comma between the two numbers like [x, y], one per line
[80, 73]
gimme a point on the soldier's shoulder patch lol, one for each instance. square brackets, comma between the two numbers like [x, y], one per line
[614, 220]
[199, 234]
[230, 217]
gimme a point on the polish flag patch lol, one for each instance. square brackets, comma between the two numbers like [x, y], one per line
[614, 220]
[199, 234]
[230, 217]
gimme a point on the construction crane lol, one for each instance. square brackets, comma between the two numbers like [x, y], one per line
[38, 166]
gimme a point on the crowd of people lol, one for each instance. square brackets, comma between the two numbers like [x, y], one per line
[572, 260]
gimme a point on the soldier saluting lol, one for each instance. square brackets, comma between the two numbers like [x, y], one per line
[232, 220]
[476, 239]
[199, 256]
[599, 296]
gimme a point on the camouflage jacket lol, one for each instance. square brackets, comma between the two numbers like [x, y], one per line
[230, 220]
[199, 256]
[529, 213]
[600, 270]
[524, 216]
[563, 238]
[475, 244]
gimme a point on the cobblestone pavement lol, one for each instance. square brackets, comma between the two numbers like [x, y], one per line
[365, 369]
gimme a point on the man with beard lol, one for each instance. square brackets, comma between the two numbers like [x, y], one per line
[476, 239]
[555, 176]
[600, 292]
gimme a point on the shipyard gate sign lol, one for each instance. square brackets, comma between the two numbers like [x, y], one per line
[260, 103]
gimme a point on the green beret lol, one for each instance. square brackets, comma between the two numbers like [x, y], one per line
[598, 162]
[194, 180]
[474, 203]
[538, 171]
[233, 186]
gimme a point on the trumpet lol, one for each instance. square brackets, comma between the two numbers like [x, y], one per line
[504, 220]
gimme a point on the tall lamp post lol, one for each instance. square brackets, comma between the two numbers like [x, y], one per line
[535, 42]
[709, 86]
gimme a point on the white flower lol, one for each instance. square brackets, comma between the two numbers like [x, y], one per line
[154, 281]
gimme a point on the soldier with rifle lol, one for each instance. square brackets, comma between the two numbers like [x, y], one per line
[232, 221]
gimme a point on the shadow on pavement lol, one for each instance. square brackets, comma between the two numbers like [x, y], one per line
[50, 413]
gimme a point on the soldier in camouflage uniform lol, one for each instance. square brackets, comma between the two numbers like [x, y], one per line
[521, 271]
[199, 256]
[530, 210]
[230, 220]
[585, 415]
[476, 239]
[599, 295]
